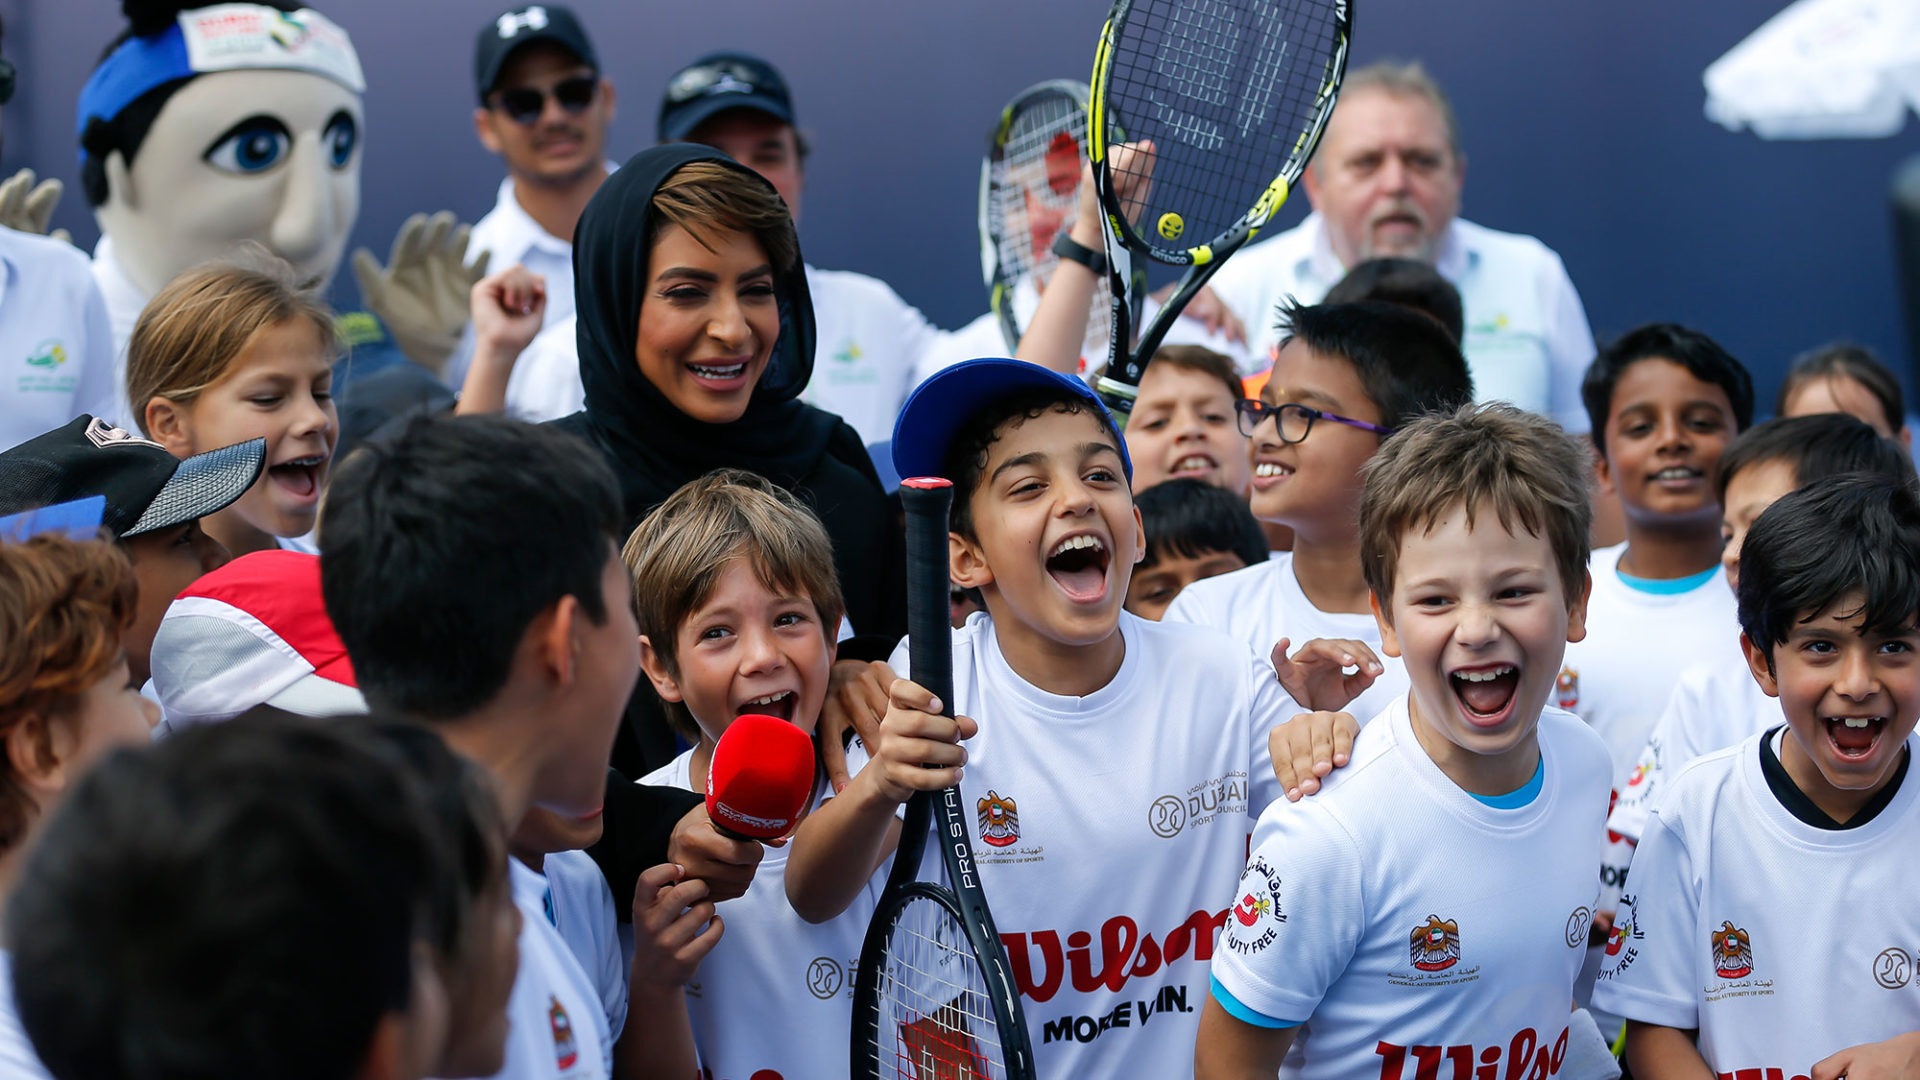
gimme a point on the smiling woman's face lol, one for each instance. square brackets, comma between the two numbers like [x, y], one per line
[708, 321]
[271, 157]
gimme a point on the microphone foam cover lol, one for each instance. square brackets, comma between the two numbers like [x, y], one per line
[761, 777]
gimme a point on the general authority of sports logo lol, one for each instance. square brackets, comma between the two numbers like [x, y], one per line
[999, 820]
[1434, 945]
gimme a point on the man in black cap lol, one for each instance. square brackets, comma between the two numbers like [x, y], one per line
[154, 505]
[873, 346]
[544, 108]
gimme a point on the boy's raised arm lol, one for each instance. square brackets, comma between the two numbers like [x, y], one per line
[1232, 1049]
[1664, 1053]
[839, 846]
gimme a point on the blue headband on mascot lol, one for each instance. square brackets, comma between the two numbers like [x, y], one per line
[223, 37]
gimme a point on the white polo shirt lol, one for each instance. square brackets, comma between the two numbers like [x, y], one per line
[56, 350]
[1527, 338]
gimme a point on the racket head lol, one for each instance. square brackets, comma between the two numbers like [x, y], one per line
[1029, 191]
[1234, 95]
[925, 1005]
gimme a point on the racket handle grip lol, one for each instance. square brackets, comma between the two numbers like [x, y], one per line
[929, 628]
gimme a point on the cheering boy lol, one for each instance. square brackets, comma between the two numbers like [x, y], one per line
[1767, 931]
[1432, 901]
[1117, 759]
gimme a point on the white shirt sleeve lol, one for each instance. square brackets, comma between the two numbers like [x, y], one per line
[1569, 347]
[1649, 973]
[1297, 916]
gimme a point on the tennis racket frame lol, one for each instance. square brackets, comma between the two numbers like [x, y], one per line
[927, 501]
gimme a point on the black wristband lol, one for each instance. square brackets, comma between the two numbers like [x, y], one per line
[1067, 247]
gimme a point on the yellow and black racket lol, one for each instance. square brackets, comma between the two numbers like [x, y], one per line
[1226, 101]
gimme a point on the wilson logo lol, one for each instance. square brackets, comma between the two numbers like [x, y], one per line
[1123, 953]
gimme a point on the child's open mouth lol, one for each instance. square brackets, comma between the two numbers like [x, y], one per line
[778, 704]
[1854, 737]
[1486, 693]
[1268, 473]
[1078, 565]
[1193, 465]
[299, 477]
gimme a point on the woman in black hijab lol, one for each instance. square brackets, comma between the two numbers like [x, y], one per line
[695, 339]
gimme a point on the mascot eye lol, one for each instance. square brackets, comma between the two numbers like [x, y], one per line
[341, 137]
[254, 145]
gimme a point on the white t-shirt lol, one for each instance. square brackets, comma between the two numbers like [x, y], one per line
[557, 1023]
[868, 345]
[1403, 920]
[1263, 603]
[584, 913]
[56, 348]
[1619, 678]
[512, 236]
[1781, 943]
[17, 1059]
[1712, 707]
[1527, 339]
[775, 997]
[1125, 817]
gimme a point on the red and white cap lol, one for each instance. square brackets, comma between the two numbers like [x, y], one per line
[254, 632]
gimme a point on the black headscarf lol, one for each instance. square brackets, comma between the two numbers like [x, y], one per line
[655, 448]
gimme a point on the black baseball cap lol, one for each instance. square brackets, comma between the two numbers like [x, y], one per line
[524, 26]
[717, 82]
[146, 487]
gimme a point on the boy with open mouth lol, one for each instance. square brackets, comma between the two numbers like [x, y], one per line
[1715, 970]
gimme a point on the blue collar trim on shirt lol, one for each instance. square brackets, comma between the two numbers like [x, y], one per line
[1514, 800]
[1667, 586]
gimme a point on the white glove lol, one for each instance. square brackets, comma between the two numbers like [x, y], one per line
[28, 207]
[422, 293]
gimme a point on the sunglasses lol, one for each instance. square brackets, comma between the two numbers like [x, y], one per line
[7, 75]
[524, 104]
[1294, 420]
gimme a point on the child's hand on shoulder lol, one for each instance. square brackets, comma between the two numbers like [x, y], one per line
[1316, 675]
[1897, 1058]
[674, 928]
[1309, 747]
[918, 749]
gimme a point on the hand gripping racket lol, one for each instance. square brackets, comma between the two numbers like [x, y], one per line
[932, 998]
[1029, 191]
[1233, 96]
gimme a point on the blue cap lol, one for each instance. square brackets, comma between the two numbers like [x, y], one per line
[939, 407]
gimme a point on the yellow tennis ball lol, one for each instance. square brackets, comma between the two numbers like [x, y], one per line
[1171, 225]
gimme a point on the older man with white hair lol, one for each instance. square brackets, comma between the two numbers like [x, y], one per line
[1386, 182]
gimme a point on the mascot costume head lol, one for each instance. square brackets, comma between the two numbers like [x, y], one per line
[206, 127]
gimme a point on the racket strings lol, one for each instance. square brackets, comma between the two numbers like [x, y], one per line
[935, 1019]
[1033, 193]
[1227, 92]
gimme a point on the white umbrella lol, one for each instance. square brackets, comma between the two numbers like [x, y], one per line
[1822, 69]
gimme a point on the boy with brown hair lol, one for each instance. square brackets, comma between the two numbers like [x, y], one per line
[1457, 850]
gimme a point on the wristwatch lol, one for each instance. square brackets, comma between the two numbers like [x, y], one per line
[1065, 246]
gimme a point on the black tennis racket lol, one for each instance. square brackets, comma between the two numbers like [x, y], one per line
[1233, 96]
[1029, 191]
[932, 998]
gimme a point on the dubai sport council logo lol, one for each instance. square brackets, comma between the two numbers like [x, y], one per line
[1434, 945]
[48, 354]
[999, 820]
[1732, 952]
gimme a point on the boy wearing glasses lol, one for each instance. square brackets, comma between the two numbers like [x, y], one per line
[1344, 378]
[544, 108]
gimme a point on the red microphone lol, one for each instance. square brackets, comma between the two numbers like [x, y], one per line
[761, 778]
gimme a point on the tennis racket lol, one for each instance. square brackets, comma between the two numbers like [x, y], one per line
[1029, 191]
[932, 998]
[1233, 96]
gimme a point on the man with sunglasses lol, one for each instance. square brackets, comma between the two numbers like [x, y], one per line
[544, 108]
[1346, 377]
[873, 347]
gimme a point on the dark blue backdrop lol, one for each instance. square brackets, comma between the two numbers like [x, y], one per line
[1582, 123]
